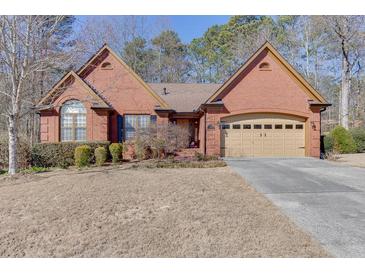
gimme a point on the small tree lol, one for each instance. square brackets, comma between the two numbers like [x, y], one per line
[342, 140]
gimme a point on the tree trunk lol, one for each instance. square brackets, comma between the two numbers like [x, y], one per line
[344, 103]
[12, 130]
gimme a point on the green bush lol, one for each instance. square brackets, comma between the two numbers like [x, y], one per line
[116, 150]
[342, 141]
[358, 134]
[60, 154]
[100, 155]
[82, 155]
[328, 143]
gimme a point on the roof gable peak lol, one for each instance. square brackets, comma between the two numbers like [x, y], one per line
[268, 46]
[119, 59]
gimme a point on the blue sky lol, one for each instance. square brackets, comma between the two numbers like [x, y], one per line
[187, 26]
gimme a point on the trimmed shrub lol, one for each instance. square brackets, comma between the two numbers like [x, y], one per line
[100, 155]
[116, 150]
[358, 134]
[23, 153]
[60, 154]
[342, 141]
[82, 155]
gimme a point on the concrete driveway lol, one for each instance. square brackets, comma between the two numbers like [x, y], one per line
[325, 199]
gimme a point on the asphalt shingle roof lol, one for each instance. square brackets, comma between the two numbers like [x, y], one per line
[184, 97]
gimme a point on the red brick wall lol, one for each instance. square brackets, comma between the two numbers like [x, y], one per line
[122, 90]
[270, 91]
[117, 85]
[96, 120]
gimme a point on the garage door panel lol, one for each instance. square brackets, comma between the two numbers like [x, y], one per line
[263, 135]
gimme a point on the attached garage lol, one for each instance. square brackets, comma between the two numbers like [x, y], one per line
[262, 135]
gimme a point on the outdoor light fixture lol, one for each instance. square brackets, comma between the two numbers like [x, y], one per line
[313, 124]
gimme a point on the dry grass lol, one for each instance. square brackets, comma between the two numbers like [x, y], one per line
[144, 213]
[355, 159]
[183, 164]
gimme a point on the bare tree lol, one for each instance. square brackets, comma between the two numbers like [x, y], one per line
[19, 39]
[348, 32]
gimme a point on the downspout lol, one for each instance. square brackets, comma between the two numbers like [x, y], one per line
[322, 150]
[205, 133]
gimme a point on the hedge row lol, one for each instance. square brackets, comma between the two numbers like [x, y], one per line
[61, 154]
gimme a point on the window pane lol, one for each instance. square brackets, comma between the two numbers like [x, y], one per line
[80, 134]
[81, 120]
[66, 120]
[236, 126]
[143, 121]
[73, 121]
[66, 134]
[134, 122]
[278, 126]
[267, 126]
[298, 126]
[225, 126]
[246, 127]
[288, 126]
[130, 126]
[257, 126]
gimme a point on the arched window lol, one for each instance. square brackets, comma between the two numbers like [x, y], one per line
[73, 121]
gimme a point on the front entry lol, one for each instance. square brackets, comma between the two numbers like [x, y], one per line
[262, 135]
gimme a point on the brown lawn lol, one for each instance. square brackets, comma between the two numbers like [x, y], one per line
[144, 212]
[356, 159]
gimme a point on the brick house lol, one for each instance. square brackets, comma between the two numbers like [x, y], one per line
[265, 109]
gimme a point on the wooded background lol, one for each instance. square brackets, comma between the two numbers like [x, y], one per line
[35, 51]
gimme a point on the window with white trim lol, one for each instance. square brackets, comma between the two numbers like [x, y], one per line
[73, 121]
[134, 122]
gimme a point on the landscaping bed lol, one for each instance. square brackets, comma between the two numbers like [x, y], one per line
[124, 211]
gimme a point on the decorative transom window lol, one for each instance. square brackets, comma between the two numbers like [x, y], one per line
[264, 66]
[73, 121]
[135, 122]
[106, 65]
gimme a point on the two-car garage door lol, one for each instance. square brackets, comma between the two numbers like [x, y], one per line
[256, 135]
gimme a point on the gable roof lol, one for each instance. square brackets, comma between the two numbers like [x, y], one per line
[267, 46]
[98, 103]
[184, 97]
[135, 75]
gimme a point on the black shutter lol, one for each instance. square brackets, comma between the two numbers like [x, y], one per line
[153, 119]
[120, 128]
